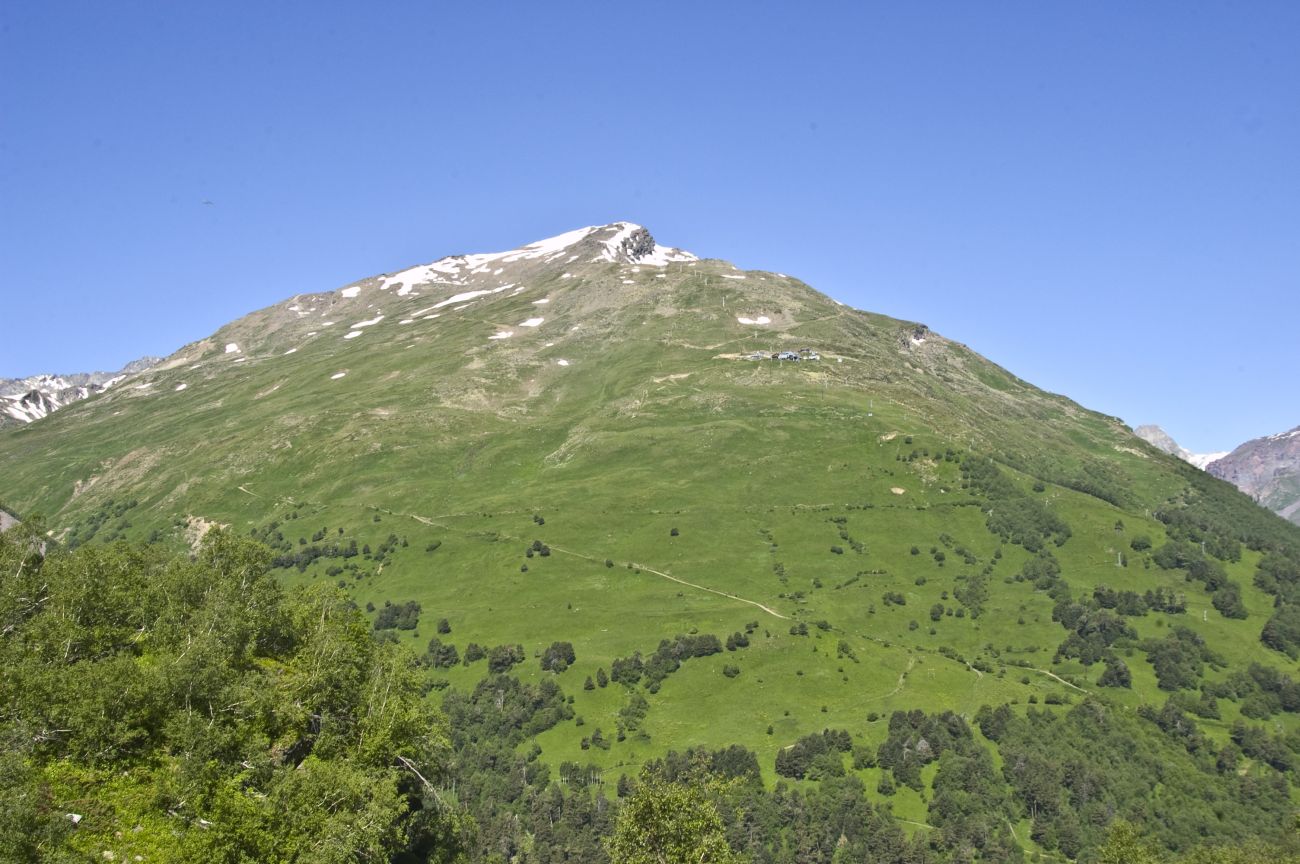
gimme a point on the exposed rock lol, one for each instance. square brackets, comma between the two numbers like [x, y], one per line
[1268, 470]
[638, 244]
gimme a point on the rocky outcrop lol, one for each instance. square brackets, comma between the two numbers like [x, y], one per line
[637, 245]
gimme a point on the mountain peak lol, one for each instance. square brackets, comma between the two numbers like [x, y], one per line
[617, 242]
[622, 242]
[1162, 440]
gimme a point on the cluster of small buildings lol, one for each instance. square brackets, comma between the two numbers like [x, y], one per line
[793, 356]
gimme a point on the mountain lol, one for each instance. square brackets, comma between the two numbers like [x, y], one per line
[1268, 470]
[23, 400]
[1161, 440]
[896, 573]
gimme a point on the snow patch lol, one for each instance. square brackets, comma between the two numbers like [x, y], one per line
[232, 348]
[459, 298]
[351, 292]
[352, 335]
[549, 246]
[504, 334]
[369, 323]
[562, 362]
[532, 322]
[290, 351]
[542, 302]
[1203, 460]
[729, 276]
[423, 274]
[337, 375]
[761, 319]
[180, 387]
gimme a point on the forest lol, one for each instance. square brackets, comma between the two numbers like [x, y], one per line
[163, 707]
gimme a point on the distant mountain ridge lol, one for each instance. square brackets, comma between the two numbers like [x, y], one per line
[23, 400]
[1268, 470]
[1160, 439]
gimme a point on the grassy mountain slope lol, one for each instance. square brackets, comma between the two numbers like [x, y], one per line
[834, 510]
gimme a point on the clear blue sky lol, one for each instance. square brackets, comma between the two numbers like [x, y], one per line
[1104, 196]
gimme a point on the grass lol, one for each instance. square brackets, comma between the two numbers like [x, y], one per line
[445, 436]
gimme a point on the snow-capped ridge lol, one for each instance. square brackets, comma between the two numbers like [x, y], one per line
[1161, 440]
[618, 242]
[1203, 460]
[37, 396]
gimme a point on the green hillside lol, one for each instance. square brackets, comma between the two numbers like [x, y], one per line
[898, 526]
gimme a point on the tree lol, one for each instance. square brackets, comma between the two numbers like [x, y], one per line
[1126, 845]
[669, 823]
[558, 657]
[1116, 675]
[502, 657]
[168, 678]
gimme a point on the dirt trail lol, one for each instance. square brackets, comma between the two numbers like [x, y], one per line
[1051, 674]
[770, 611]
[902, 680]
[671, 578]
[766, 609]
